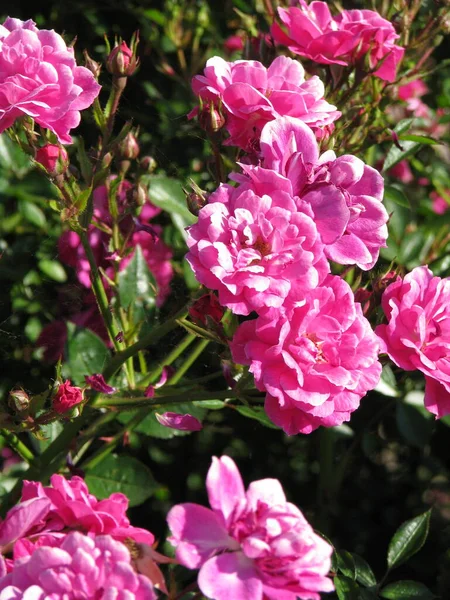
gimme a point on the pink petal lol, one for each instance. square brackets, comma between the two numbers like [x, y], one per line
[177, 421]
[224, 486]
[230, 576]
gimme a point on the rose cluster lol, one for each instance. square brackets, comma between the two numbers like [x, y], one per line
[264, 244]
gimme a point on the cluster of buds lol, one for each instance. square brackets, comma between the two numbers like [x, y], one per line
[122, 60]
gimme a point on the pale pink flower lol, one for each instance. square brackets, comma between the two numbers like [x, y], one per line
[75, 567]
[39, 78]
[315, 362]
[352, 37]
[411, 93]
[440, 204]
[253, 544]
[255, 248]
[417, 335]
[66, 504]
[344, 194]
[249, 95]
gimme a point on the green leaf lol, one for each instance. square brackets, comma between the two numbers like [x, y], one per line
[413, 426]
[32, 213]
[168, 194]
[256, 412]
[53, 269]
[395, 155]
[406, 590]
[86, 353]
[123, 474]
[12, 157]
[364, 573]
[136, 283]
[403, 125]
[408, 539]
[346, 564]
[421, 139]
[396, 195]
[210, 404]
[387, 386]
[346, 589]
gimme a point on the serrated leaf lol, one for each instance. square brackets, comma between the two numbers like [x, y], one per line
[408, 539]
[346, 589]
[257, 413]
[86, 353]
[406, 590]
[123, 474]
[136, 283]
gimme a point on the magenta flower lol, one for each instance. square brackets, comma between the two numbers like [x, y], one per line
[97, 382]
[440, 204]
[180, 422]
[344, 193]
[250, 95]
[417, 335]
[255, 248]
[75, 567]
[315, 362]
[67, 396]
[350, 38]
[66, 504]
[252, 545]
[39, 78]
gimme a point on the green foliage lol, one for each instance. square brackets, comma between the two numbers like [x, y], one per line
[408, 539]
[86, 353]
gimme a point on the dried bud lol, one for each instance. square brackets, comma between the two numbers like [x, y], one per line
[128, 147]
[206, 309]
[66, 397]
[148, 164]
[211, 119]
[196, 201]
[18, 400]
[122, 60]
[380, 284]
[53, 158]
[94, 67]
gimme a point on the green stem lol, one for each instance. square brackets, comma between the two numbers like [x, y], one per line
[99, 291]
[199, 347]
[169, 359]
[17, 445]
[155, 402]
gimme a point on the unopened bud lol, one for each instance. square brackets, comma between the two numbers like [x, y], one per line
[18, 400]
[129, 147]
[137, 195]
[148, 164]
[107, 160]
[211, 119]
[122, 61]
[53, 158]
[93, 66]
[195, 202]
[380, 284]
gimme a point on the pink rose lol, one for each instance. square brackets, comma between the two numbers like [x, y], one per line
[250, 95]
[53, 158]
[255, 248]
[349, 38]
[75, 566]
[402, 172]
[66, 397]
[315, 362]
[417, 335]
[39, 78]
[253, 544]
[440, 204]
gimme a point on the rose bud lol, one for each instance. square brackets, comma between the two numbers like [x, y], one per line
[66, 397]
[53, 158]
[18, 400]
[206, 308]
[122, 60]
[129, 147]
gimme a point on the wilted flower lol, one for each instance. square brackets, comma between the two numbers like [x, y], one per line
[252, 544]
[97, 382]
[39, 78]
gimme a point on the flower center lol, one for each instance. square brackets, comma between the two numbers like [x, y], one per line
[262, 246]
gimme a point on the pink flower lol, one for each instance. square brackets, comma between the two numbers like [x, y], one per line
[255, 248]
[97, 382]
[417, 335]
[66, 504]
[181, 422]
[67, 396]
[413, 89]
[402, 172]
[233, 43]
[250, 95]
[440, 204]
[349, 38]
[75, 567]
[40, 78]
[53, 158]
[344, 194]
[315, 361]
[252, 545]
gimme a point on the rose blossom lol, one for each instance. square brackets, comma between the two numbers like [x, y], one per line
[346, 39]
[253, 544]
[440, 204]
[417, 335]
[66, 397]
[53, 158]
[249, 95]
[344, 194]
[255, 248]
[65, 504]
[39, 78]
[315, 361]
[74, 567]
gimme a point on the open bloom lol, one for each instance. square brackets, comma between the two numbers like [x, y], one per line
[255, 248]
[315, 361]
[65, 504]
[75, 567]
[348, 38]
[250, 95]
[39, 78]
[253, 544]
[417, 335]
[344, 194]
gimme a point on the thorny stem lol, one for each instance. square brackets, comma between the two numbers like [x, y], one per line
[199, 347]
[169, 359]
